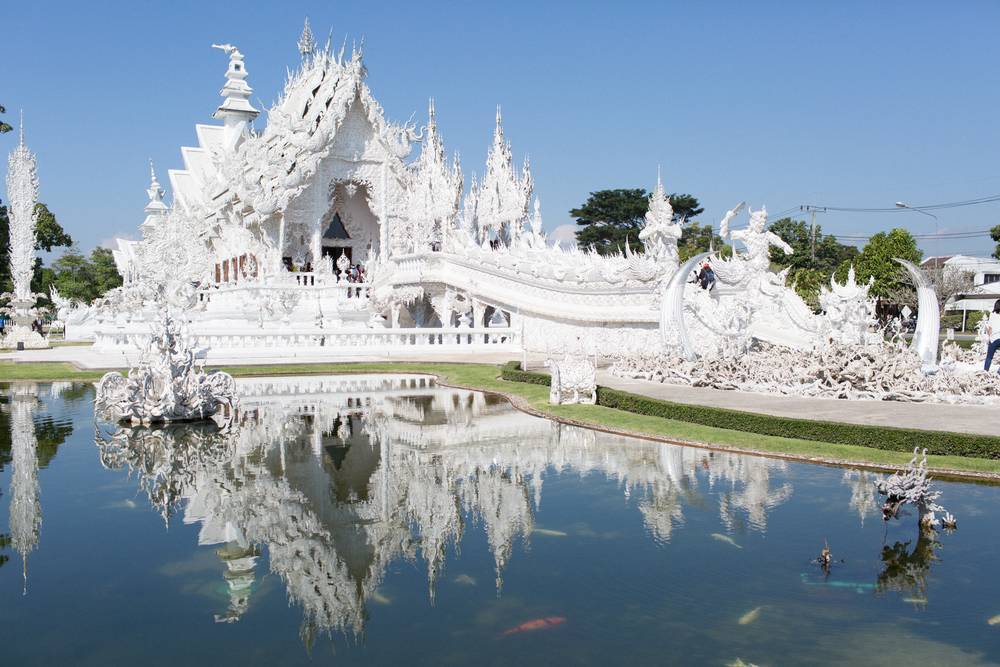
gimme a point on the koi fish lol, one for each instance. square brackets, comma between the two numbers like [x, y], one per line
[725, 538]
[750, 616]
[465, 580]
[918, 601]
[548, 532]
[535, 624]
[380, 599]
[994, 621]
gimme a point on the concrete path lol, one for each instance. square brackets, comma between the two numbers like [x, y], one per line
[977, 419]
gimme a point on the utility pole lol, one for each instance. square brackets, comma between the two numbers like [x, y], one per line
[812, 210]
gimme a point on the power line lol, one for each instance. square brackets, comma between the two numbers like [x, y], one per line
[895, 209]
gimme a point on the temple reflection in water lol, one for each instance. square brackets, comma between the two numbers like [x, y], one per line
[339, 477]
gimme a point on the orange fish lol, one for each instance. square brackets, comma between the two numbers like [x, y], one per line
[536, 624]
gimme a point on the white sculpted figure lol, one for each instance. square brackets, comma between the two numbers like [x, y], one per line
[167, 386]
[661, 232]
[756, 239]
[573, 379]
[848, 310]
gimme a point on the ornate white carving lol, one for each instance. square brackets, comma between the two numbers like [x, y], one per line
[660, 233]
[573, 379]
[912, 486]
[504, 194]
[22, 195]
[434, 193]
[167, 386]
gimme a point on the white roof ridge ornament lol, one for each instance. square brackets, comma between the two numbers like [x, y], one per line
[236, 107]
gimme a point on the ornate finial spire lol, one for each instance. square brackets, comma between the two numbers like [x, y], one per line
[306, 42]
[20, 134]
[155, 192]
[499, 119]
[431, 115]
[236, 107]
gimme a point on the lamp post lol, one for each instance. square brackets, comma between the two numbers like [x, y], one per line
[900, 204]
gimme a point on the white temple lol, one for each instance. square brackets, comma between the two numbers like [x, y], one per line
[262, 244]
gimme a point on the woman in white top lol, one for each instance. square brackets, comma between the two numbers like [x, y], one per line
[993, 329]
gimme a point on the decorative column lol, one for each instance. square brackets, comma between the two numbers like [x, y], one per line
[22, 195]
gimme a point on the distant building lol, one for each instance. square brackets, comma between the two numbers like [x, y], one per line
[986, 279]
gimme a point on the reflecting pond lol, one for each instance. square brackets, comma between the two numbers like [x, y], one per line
[371, 519]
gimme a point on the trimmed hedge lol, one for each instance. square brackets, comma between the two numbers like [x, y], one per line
[876, 437]
[512, 371]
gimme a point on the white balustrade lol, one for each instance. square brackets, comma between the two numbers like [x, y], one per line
[359, 341]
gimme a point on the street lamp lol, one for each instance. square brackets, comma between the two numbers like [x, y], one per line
[900, 204]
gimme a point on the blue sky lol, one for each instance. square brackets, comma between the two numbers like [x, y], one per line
[839, 103]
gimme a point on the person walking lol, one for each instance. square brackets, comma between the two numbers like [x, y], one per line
[993, 330]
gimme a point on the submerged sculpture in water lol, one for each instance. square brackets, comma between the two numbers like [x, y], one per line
[912, 486]
[167, 386]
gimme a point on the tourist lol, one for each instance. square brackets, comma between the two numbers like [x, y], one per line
[993, 330]
[706, 277]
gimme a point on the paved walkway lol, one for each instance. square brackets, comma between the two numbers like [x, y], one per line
[978, 419]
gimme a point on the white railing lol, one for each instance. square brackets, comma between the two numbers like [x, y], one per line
[278, 342]
[311, 282]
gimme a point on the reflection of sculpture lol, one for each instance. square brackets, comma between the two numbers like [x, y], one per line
[906, 571]
[167, 385]
[25, 508]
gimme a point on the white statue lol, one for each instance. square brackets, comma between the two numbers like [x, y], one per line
[661, 233]
[573, 379]
[757, 240]
[168, 385]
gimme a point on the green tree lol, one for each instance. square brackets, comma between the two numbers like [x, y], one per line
[806, 272]
[877, 260]
[697, 238]
[4, 127]
[609, 217]
[829, 253]
[74, 276]
[995, 235]
[106, 274]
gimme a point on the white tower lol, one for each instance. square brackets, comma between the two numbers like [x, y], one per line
[236, 112]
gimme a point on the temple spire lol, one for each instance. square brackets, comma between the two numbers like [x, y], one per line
[155, 192]
[20, 132]
[236, 107]
[307, 45]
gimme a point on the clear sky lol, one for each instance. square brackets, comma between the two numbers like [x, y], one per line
[778, 103]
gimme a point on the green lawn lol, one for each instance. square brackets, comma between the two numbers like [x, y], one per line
[535, 397]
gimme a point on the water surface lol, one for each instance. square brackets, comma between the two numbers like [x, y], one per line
[372, 519]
